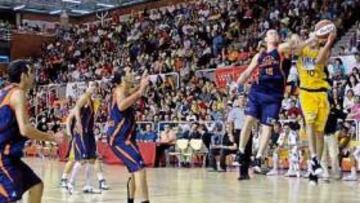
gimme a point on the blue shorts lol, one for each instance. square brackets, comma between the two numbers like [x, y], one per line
[128, 152]
[84, 147]
[264, 107]
[15, 179]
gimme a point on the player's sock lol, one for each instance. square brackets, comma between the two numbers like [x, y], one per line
[76, 169]
[64, 176]
[100, 176]
[88, 172]
[130, 201]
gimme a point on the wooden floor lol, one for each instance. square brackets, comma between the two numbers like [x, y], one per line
[172, 185]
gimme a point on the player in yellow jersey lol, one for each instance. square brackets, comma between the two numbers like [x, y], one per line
[313, 55]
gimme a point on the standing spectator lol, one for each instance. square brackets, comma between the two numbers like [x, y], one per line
[331, 148]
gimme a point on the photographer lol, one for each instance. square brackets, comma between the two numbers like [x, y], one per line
[331, 147]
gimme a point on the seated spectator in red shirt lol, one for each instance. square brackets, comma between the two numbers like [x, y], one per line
[294, 110]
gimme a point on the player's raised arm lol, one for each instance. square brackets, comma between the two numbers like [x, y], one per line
[325, 51]
[124, 102]
[295, 44]
[247, 73]
[17, 102]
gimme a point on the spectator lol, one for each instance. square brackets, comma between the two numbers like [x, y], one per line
[294, 110]
[338, 69]
[195, 131]
[349, 100]
[148, 135]
[331, 148]
[355, 110]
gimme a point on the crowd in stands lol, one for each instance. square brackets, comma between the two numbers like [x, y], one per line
[184, 39]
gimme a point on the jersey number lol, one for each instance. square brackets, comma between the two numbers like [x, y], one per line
[311, 72]
[269, 71]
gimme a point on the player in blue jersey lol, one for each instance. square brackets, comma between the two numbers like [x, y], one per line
[15, 129]
[122, 130]
[265, 96]
[84, 144]
[70, 126]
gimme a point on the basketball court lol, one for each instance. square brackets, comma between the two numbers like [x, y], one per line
[196, 185]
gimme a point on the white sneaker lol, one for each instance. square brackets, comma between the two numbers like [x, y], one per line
[103, 185]
[350, 178]
[63, 183]
[273, 172]
[70, 188]
[290, 173]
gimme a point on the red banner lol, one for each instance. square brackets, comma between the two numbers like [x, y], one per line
[226, 75]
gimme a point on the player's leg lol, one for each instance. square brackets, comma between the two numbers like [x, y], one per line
[89, 170]
[244, 167]
[79, 155]
[269, 114]
[35, 193]
[333, 150]
[325, 157]
[141, 185]
[253, 110]
[130, 155]
[309, 105]
[131, 189]
[28, 181]
[67, 170]
[320, 123]
[264, 140]
[100, 175]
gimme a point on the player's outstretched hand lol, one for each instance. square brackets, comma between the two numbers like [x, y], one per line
[144, 83]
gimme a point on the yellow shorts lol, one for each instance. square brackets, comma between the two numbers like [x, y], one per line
[316, 109]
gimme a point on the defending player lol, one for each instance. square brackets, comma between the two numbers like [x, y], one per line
[15, 129]
[266, 93]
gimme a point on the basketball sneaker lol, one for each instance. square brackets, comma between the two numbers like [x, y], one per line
[63, 183]
[350, 177]
[240, 158]
[70, 188]
[273, 172]
[257, 165]
[313, 179]
[316, 168]
[103, 185]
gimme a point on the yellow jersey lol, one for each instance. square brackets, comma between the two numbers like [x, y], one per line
[312, 76]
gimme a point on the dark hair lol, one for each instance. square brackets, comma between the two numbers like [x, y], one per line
[16, 69]
[348, 80]
[117, 79]
[340, 61]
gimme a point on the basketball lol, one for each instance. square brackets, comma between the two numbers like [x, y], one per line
[323, 28]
